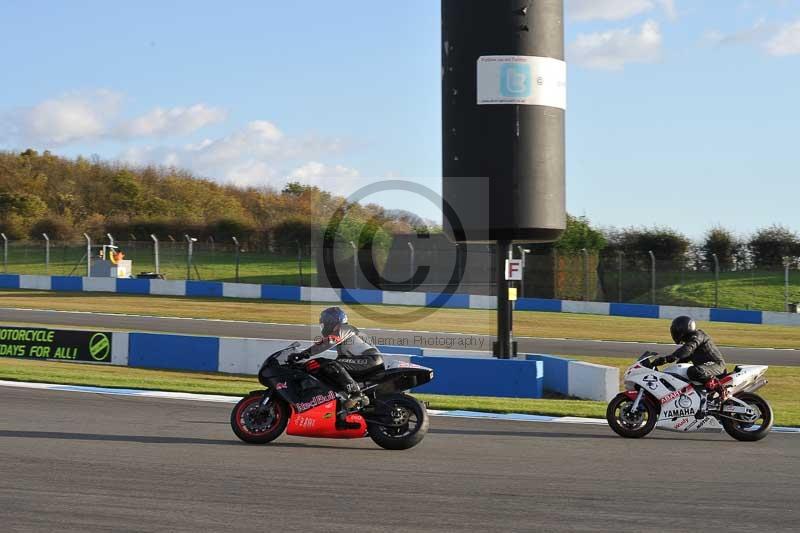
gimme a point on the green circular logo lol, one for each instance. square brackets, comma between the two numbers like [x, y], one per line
[99, 347]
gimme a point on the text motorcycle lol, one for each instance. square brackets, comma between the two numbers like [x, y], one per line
[302, 405]
[669, 400]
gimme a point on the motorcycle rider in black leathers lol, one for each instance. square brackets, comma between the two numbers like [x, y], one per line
[697, 348]
[355, 355]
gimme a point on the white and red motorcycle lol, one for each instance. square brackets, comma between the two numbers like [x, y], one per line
[669, 400]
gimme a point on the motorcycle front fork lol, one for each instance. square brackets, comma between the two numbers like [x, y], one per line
[637, 401]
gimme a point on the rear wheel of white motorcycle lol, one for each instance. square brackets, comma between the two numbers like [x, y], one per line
[409, 422]
[628, 424]
[750, 430]
[259, 425]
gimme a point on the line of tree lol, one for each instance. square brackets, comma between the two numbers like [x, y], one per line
[45, 193]
[767, 248]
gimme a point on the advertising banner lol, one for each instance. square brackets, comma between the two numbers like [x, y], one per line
[69, 345]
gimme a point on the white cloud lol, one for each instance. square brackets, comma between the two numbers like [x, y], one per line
[786, 42]
[175, 121]
[775, 40]
[62, 120]
[256, 155]
[612, 50]
[96, 116]
[756, 33]
[321, 175]
[607, 9]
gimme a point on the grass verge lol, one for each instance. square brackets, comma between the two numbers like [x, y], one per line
[782, 391]
[474, 321]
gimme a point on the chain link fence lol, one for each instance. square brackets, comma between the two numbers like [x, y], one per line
[433, 265]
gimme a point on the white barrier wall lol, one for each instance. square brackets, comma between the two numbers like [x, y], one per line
[404, 298]
[477, 301]
[319, 294]
[41, 283]
[591, 308]
[167, 288]
[119, 349]
[99, 284]
[672, 312]
[592, 382]
[241, 290]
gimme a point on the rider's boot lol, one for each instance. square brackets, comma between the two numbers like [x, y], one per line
[353, 401]
[713, 397]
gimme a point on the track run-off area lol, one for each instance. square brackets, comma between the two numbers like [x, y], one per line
[424, 339]
[93, 462]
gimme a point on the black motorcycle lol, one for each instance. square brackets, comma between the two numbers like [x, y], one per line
[300, 404]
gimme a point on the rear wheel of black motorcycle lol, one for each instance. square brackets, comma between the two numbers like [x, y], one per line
[256, 425]
[628, 424]
[750, 430]
[409, 422]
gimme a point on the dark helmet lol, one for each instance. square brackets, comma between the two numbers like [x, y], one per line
[330, 319]
[681, 328]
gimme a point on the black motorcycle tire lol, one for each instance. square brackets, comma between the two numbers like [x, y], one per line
[735, 429]
[611, 417]
[279, 411]
[382, 435]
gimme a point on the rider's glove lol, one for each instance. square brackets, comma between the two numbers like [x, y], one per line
[660, 361]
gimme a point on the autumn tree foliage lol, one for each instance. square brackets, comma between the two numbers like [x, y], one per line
[67, 197]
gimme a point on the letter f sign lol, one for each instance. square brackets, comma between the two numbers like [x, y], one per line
[514, 269]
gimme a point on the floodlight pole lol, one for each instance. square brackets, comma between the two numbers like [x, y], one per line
[716, 280]
[236, 243]
[156, 258]
[46, 253]
[189, 253]
[355, 264]
[412, 266]
[523, 252]
[652, 277]
[5, 253]
[88, 255]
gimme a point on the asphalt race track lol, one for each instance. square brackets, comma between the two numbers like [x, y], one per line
[86, 462]
[221, 328]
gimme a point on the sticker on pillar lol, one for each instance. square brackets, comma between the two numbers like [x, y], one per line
[515, 80]
[522, 80]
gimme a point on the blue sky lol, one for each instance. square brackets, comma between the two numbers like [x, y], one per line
[680, 113]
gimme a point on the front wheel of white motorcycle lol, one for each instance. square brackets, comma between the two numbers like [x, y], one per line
[627, 423]
[750, 428]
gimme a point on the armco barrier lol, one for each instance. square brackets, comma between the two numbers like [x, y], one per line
[362, 296]
[503, 378]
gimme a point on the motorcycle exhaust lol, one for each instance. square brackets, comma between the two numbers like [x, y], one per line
[754, 386]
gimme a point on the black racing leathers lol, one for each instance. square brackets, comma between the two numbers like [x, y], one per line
[356, 356]
[701, 351]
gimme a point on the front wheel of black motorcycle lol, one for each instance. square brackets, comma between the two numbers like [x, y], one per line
[255, 424]
[749, 428]
[408, 422]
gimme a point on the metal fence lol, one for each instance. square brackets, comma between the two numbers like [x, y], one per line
[186, 259]
[432, 265]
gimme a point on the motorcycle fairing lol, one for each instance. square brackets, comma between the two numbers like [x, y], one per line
[679, 401]
[320, 421]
